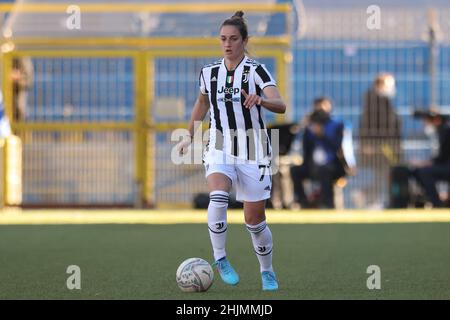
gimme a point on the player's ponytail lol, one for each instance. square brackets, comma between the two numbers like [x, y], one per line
[238, 21]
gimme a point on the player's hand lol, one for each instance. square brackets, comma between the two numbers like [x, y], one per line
[251, 99]
[183, 146]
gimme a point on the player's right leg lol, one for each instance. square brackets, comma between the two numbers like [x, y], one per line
[219, 179]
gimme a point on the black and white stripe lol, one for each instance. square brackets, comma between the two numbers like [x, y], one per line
[229, 107]
[228, 114]
[217, 232]
[216, 126]
[250, 137]
[219, 198]
[263, 254]
[256, 229]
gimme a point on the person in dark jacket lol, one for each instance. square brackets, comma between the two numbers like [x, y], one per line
[321, 141]
[379, 136]
[438, 167]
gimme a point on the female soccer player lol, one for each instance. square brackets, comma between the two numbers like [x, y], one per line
[234, 89]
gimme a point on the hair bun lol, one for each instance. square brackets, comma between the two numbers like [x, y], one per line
[238, 14]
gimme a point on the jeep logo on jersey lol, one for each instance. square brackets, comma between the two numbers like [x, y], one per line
[229, 90]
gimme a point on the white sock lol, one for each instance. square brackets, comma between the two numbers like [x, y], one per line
[263, 244]
[217, 222]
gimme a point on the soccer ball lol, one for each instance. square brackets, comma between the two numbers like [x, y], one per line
[195, 275]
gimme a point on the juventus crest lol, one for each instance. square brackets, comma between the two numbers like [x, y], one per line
[245, 76]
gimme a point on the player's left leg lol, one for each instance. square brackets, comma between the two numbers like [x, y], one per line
[255, 220]
[254, 189]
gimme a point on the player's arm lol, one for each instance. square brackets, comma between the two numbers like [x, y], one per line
[199, 112]
[272, 100]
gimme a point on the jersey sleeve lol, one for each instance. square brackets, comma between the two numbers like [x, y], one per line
[263, 78]
[202, 83]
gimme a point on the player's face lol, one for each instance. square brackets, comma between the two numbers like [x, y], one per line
[233, 46]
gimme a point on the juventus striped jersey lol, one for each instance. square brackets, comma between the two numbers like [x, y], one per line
[234, 129]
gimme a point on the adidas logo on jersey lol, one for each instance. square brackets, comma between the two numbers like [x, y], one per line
[213, 79]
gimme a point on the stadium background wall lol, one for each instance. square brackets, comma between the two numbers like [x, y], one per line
[97, 130]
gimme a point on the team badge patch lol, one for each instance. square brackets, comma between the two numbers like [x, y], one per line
[245, 76]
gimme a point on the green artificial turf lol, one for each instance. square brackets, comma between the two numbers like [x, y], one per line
[320, 261]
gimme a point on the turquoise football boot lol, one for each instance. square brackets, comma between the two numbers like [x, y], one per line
[269, 281]
[226, 271]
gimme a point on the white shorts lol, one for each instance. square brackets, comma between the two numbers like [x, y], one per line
[253, 181]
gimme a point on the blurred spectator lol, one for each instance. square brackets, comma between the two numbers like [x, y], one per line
[437, 169]
[321, 103]
[379, 138]
[22, 78]
[282, 190]
[322, 140]
[346, 155]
